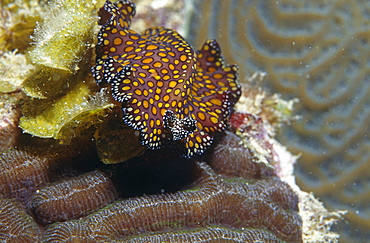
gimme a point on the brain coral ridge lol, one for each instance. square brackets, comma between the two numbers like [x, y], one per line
[91, 190]
[268, 204]
[25, 169]
[170, 93]
[209, 234]
[241, 204]
[15, 224]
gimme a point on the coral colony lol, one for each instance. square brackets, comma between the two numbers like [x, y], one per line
[164, 115]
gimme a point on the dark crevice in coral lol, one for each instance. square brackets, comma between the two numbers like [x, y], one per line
[233, 205]
[156, 171]
[161, 192]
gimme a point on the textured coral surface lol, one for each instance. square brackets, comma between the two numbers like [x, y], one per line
[9, 118]
[268, 204]
[318, 52]
[91, 190]
[242, 205]
[16, 225]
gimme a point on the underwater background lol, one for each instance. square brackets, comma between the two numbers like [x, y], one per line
[319, 52]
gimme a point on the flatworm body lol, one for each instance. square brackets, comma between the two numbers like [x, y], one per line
[171, 94]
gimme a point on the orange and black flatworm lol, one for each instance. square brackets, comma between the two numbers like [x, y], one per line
[170, 93]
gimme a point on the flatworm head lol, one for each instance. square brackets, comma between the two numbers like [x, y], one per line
[171, 94]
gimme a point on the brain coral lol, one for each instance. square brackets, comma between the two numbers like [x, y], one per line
[268, 204]
[209, 234]
[319, 53]
[91, 190]
[15, 224]
[190, 202]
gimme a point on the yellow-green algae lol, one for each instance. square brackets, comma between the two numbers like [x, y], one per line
[64, 101]
[18, 19]
[13, 71]
[65, 116]
[17, 22]
[62, 41]
[115, 141]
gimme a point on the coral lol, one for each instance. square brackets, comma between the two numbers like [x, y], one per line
[9, 117]
[272, 109]
[209, 234]
[21, 173]
[15, 224]
[317, 220]
[227, 200]
[268, 204]
[211, 200]
[171, 14]
[318, 53]
[167, 91]
[230, 157]
[57, 202]
[26, 168]
[242, 195]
